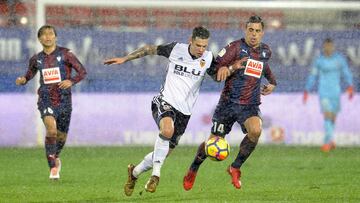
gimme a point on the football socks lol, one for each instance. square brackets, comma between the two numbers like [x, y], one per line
[145, 165]
[161, 149]
[50, 149]
[199, 157]
[246, 148]
[329, 131]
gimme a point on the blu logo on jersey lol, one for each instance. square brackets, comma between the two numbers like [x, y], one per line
[184, 70]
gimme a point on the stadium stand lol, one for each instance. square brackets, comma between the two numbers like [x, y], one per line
[132, 26]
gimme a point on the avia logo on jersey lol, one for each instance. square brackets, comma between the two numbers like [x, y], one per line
[183, 71]
[51, 75]
[254, 68]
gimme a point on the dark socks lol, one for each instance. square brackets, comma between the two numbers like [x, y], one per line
[199, 158]
[59, 145]
[246, 148]
[50, 149]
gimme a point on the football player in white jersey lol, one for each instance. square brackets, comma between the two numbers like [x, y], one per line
[171, 109]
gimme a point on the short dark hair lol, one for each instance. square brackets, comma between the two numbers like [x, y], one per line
[200, 32]
[255, 19]
[44, 27]
[328, 40]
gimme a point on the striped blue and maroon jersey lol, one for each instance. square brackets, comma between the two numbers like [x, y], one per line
[54, 68]
[244, 85]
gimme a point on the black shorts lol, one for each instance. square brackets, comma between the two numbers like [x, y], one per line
[227, 113]
[61, 114]
[161, 109]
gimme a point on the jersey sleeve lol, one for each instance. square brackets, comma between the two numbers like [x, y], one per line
[346, 71]
[312, 76]
[32, 68]
[269, 75]
[211, 71]
[227, 55]
[74, 63]
[165, 49]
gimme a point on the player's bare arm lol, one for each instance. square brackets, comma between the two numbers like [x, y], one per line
[20, 81]
[138, 53]
[267, 89]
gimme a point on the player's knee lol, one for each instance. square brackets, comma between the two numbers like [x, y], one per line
[255, 132]
[51, 133]
[167, 131]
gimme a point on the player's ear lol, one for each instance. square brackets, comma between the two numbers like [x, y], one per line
[190, 40]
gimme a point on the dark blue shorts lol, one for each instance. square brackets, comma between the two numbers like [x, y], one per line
[227, 113]
[161, 109]
[62, 115]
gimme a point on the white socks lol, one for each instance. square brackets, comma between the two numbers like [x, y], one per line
[145, 165]
[161, 149]
[154, 159]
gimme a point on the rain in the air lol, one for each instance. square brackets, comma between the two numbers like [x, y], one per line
[179, 101]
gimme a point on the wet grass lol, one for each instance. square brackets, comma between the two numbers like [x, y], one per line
[97, 174]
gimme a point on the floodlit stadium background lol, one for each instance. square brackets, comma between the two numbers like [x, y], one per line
[112, 105]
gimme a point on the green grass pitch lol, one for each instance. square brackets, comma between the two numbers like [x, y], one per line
[97, 174]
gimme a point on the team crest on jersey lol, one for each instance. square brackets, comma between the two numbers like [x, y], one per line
[202, 63]
[264, 54]
[165, 106]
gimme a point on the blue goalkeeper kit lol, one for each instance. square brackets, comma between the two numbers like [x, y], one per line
[329, 70]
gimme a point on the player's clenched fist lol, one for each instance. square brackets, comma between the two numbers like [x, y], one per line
[20, 81]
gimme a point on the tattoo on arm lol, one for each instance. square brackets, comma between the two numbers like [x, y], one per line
[141, 52]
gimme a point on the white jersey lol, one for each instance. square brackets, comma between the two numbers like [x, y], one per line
[184, 76]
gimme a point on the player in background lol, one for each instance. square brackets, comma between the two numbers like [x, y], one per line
[55, 65]
[172, 108]
[240, 98]
[328, 69]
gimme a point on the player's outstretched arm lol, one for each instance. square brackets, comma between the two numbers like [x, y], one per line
[111, 61]
[20, 81]
[138, 53]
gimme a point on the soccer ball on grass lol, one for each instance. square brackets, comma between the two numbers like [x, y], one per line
[217, 148]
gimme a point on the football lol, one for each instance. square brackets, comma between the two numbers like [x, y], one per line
[217, 148]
